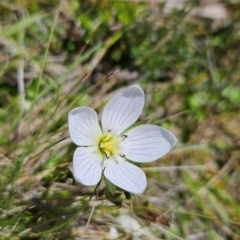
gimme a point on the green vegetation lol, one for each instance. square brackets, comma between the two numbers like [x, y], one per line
[55, 56]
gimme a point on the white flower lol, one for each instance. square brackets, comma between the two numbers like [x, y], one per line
[107, 150]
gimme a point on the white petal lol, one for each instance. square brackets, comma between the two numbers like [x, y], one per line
[125, 175]
[147, 143]
[83, 126]
[123, 110]
[87, 165]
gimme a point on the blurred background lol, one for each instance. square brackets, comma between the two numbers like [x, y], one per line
[57, 55]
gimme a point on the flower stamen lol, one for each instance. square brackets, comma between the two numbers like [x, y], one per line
[124, 137]
[110, 145]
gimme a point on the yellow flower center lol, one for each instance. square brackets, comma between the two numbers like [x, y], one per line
[110, 145]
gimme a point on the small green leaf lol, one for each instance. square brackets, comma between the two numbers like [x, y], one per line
[60, 174]
[111, 187]
[116, 198]
[130, 197]
[131, 203]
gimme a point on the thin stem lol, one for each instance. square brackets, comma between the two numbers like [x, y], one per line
[96, 190]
